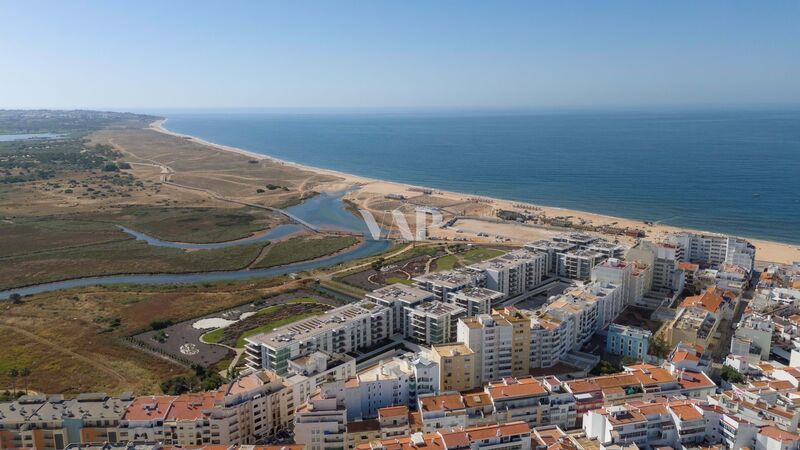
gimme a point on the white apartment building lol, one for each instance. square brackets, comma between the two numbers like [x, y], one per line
[397, 381]
[552, 250]
[578, 264]
[443, 284]
[532, 401]
[321, 423]
[663, 258]
[550, 341]
[586, 310]
[251, 407]
[716, 250]
[491, 338]
[753, 336]
[618, 272]
[398, 297]
[433, 322]
[476, 300]
[515, 272]
[340, 330]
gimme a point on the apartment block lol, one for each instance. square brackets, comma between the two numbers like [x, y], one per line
[443, 284]
[491, 338]
[618, 272]
[663, 258]
[340, 330]
[476, 300]
[458, 367]
[715, 250]
[397, 381]
[433, 322]
[505, 436]
[628, 341]
[397, 298]
[533, 401]
[449, 410]
[515, 272]
[51, 422]
[321, 423]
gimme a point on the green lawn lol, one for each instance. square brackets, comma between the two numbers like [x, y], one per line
[303, 300]
[392, 280]
[477, 255]
[303, 249]
[213, 337]
[446, 262]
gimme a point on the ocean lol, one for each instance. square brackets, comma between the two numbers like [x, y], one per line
[735, 172]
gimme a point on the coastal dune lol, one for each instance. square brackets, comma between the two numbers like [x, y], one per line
[371, 194]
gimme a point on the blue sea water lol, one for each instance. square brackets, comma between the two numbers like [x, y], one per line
[735, 172]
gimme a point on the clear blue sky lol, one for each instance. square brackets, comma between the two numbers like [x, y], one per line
[145, 54]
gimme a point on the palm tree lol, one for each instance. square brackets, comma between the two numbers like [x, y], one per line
[25, 372]
[13, 373]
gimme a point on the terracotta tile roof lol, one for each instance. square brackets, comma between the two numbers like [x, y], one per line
[686, 412]
[779, 435]
[694, 380]
[442, 402]
[516, 389]
[710, 300]
[361, 426]
[476, 399]
[191, 406]
[429, 442]
[462, 438]
[684, 356]
[149, 408]
[655, 375]
[393, 411]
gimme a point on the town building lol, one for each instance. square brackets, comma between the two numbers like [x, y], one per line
[447, 282]
[628, 341]
[459, 368]
[715, 250]
[476, 300]
[432, 322]
[340, 330]
[397, 297]
[321, 423]
[515, 272]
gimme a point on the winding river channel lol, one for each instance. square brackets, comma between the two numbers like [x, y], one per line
[325, 211]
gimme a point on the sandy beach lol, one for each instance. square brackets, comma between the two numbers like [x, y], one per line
[371, 194]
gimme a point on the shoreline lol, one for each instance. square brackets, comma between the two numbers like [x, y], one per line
[766, 250]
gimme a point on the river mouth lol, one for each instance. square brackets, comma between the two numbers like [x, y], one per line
[326, 211]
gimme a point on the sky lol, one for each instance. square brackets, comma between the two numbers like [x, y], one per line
[398, 54]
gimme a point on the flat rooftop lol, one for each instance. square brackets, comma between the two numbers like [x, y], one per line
[314, 326]
[450, 278]
[479, 293]
[545, 245]
[508, 260]
[450, 350]
[400, 292]
[438, 309]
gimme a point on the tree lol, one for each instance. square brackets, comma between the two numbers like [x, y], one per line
[377, 265]
[13, 374]
[659, 347]
[629, 361]
[25, 373]
[731, 375]
[604, 368]
[15, 298]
